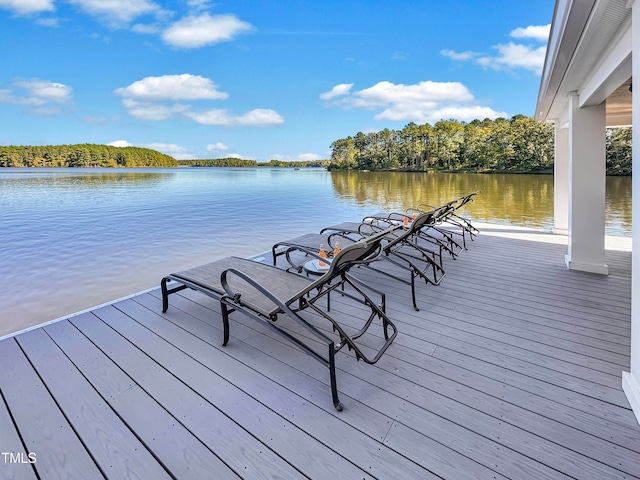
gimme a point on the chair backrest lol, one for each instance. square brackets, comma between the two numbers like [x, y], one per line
[361, 252]
[422, 220]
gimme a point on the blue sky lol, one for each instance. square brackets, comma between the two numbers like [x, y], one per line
[259, 79]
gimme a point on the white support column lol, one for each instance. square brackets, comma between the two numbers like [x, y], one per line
[561, 180]
[587, 180]
[631, 381]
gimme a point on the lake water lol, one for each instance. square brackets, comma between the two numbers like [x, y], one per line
[71, 239]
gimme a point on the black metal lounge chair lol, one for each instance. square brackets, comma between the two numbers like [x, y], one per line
[264, 293]
[404, 250]
[312, 241]
[443, 240]
[452, 218]
[401, 248]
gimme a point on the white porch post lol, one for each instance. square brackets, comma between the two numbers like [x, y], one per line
[631, 381]
[586, 174]
[561, 180]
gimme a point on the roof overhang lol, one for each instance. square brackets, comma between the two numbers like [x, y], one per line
[589, 52]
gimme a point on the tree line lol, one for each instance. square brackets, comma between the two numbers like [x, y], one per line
[85, 155]
[239, 162]
[519, 144]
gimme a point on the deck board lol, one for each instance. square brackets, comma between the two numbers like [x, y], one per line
[43, 427]
[235, 447]
[511, 369]
[112, 445]
[19, 467]
[318, 420]
[405, 382]
[170, 442]
[281, 436]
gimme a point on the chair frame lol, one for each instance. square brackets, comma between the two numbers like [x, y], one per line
[307, 297]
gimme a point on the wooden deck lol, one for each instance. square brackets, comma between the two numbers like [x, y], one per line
[511, 369]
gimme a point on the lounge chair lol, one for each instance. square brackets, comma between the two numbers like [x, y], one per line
[265, 293]
[452, 218]
[443, 240]
[401, 248]
[312, 241]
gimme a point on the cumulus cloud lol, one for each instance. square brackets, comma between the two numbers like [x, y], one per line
[303, 157]
[422, 102]
[172, 87]
[27, 7]
[198, 5]
[176, 151]
[511, 56]
[120, 143]
[536, 32]
[40, 97]
[118, 12]
[152, 111]
[196, 31]
[217, 147]
[161, 98]
[337, 91]
[461, 56]
[219, 116]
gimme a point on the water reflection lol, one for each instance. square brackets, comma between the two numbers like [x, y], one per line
[518, 199]
[35, 177]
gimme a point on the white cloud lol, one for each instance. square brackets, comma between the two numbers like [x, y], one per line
[120, 143]
[101, 120]
[147, 99]
[41, 92]
[153, 111]
[197, 31]
[512, 56]
[537, 32]
[337, 91]
[303, 157]
[41, 97]
[166, 147]
[26, 7]
[468, 55]
[198, 5]
[217, 147]
[256, 118]
[422, 102]
[465, 113]
[176, 151]
[172, 87]
[118, 12]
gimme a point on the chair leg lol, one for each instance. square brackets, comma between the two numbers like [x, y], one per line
[165, 295]
[225, 323]
[413, 291]
[332, 374]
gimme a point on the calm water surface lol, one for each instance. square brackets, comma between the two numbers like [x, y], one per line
[71, 239]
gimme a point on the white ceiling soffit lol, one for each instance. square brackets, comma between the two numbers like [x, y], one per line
[589, 52]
